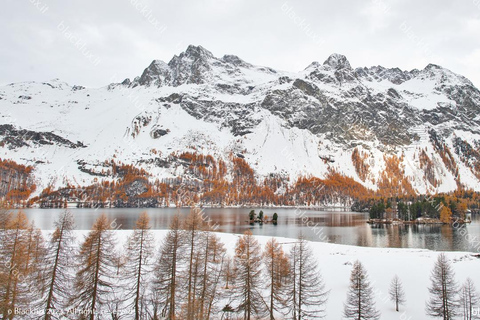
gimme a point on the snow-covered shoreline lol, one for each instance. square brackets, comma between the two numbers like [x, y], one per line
[413, 266]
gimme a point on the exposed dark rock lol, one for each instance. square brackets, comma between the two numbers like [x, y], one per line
[161, 163]
[136, 188]
[82, 166]
[157, 133]
[17, 138]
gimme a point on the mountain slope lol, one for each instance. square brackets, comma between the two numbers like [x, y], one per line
[382, 127]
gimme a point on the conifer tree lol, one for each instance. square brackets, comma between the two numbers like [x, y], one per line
[249, 282]
[95, 278]
[252, 215]
[275, 217]
[165, 294]
[211, 259]
[139, 259]
[22, 251]
[360, 298]
[6, 217]
[228, 275]
[443, 301]
[193, 226]
[58, 266]
[33, 269]
[307, 293]
[277, 270]
[397, 295]
[260, 216]
[14, 254]
[469, 300]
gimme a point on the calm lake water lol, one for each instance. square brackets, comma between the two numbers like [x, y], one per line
[335, 227]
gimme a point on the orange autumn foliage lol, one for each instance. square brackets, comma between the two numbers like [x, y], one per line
[16, 183]
[206, 181]
[445, 214]
[392, 182]
[359, 160]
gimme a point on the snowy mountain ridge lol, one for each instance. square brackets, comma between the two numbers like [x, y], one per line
[328, 117]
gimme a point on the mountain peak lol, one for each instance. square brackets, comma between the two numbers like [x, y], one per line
[235, 60]
[432, 66]
[157, 72]
[337, 61]
[313, 65]
[198, 52]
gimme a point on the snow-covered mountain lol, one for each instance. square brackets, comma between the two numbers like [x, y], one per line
[327, 117]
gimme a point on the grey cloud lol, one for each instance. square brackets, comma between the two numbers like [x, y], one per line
[126, 35]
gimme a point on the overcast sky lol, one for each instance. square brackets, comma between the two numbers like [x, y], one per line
[91, 42]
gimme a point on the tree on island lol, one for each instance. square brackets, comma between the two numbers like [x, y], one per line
[443, 290]
[260, 216]
[402, 211]
[377, 210]
[252, 215]
[360, 299]
[275, 218]
[445, 215]
[396, 292]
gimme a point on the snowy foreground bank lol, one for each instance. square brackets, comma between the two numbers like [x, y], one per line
[413, 266]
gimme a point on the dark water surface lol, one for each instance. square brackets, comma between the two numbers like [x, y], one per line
[335, 227]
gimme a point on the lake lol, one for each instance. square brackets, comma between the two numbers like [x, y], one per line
[348, 228]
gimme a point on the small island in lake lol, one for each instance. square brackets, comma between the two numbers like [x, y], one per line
[430, 210]
[261, 218]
